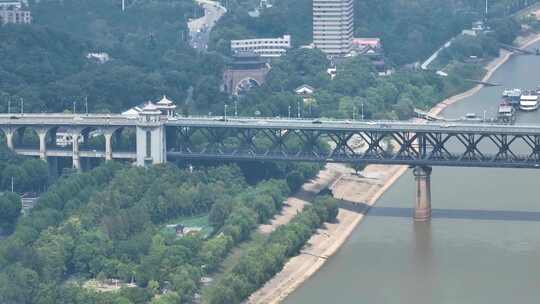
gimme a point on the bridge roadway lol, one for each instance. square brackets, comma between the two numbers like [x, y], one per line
[104, 120]
[349, 125]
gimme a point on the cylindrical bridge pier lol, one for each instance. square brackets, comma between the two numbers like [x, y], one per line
[422, 208]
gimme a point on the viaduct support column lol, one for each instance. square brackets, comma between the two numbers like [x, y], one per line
[108, 145]
[422, 209]
[75, 144]
[9, 137]
[42, 134]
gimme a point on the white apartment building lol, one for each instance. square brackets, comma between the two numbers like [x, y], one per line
[15, 16]
[264, 47]
[333, 26]
[14, 12]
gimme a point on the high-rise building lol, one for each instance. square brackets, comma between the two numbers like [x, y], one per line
[333, 26]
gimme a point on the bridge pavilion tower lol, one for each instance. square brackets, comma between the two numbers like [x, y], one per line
[151, 135]
[151, 140]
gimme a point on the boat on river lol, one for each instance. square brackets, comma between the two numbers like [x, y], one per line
[529, 102]
[512, 96]
[506, 113]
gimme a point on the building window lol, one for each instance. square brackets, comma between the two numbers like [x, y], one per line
[148, 144]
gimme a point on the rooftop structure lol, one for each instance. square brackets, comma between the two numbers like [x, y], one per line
[333, 26]
[306, 92]
[99, 57]
[265, 4]
[10, 4]
[163, 107]
[14, 13]
[366, 46]
[371, 48]
[265, 47]
[477, 28]
[304, 89]
[166, 106]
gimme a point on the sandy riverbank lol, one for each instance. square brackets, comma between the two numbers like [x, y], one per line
[367, 190]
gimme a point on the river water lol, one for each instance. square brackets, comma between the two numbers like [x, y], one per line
[482, 245]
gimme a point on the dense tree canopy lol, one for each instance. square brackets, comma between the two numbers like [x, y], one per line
[108, 223]
[147, 45]
[10, 209]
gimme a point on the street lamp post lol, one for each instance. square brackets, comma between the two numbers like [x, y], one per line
[298, 109]
[22, 105]
[362, 110]
[353, 112]
[289, 111]
[236, 108]
[225, 112]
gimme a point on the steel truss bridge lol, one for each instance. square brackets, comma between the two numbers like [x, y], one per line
[373, 142]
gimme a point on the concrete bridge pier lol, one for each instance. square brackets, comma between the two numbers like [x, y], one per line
[108, 144]
[9, 137]
[75, 145]
[422, 208]
[42, 134]
[151, 145]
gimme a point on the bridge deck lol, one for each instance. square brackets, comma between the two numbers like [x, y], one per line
[54, 119]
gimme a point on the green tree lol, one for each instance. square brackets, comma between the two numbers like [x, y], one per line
[10, 208]
[295, 180]
[15, 174]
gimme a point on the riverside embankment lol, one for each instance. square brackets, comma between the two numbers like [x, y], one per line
[366, 190]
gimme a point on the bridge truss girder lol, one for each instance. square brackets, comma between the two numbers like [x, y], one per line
[377, 146]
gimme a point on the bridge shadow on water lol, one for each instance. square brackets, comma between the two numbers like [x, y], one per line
[461, 214]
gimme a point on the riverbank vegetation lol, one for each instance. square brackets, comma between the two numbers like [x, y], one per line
[108, 224]
[264, 259]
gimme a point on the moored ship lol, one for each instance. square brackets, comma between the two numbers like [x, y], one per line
[506, 113]
[528, 102]
[512, 96]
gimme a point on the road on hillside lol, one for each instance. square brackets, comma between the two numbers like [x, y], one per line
[200, 28]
